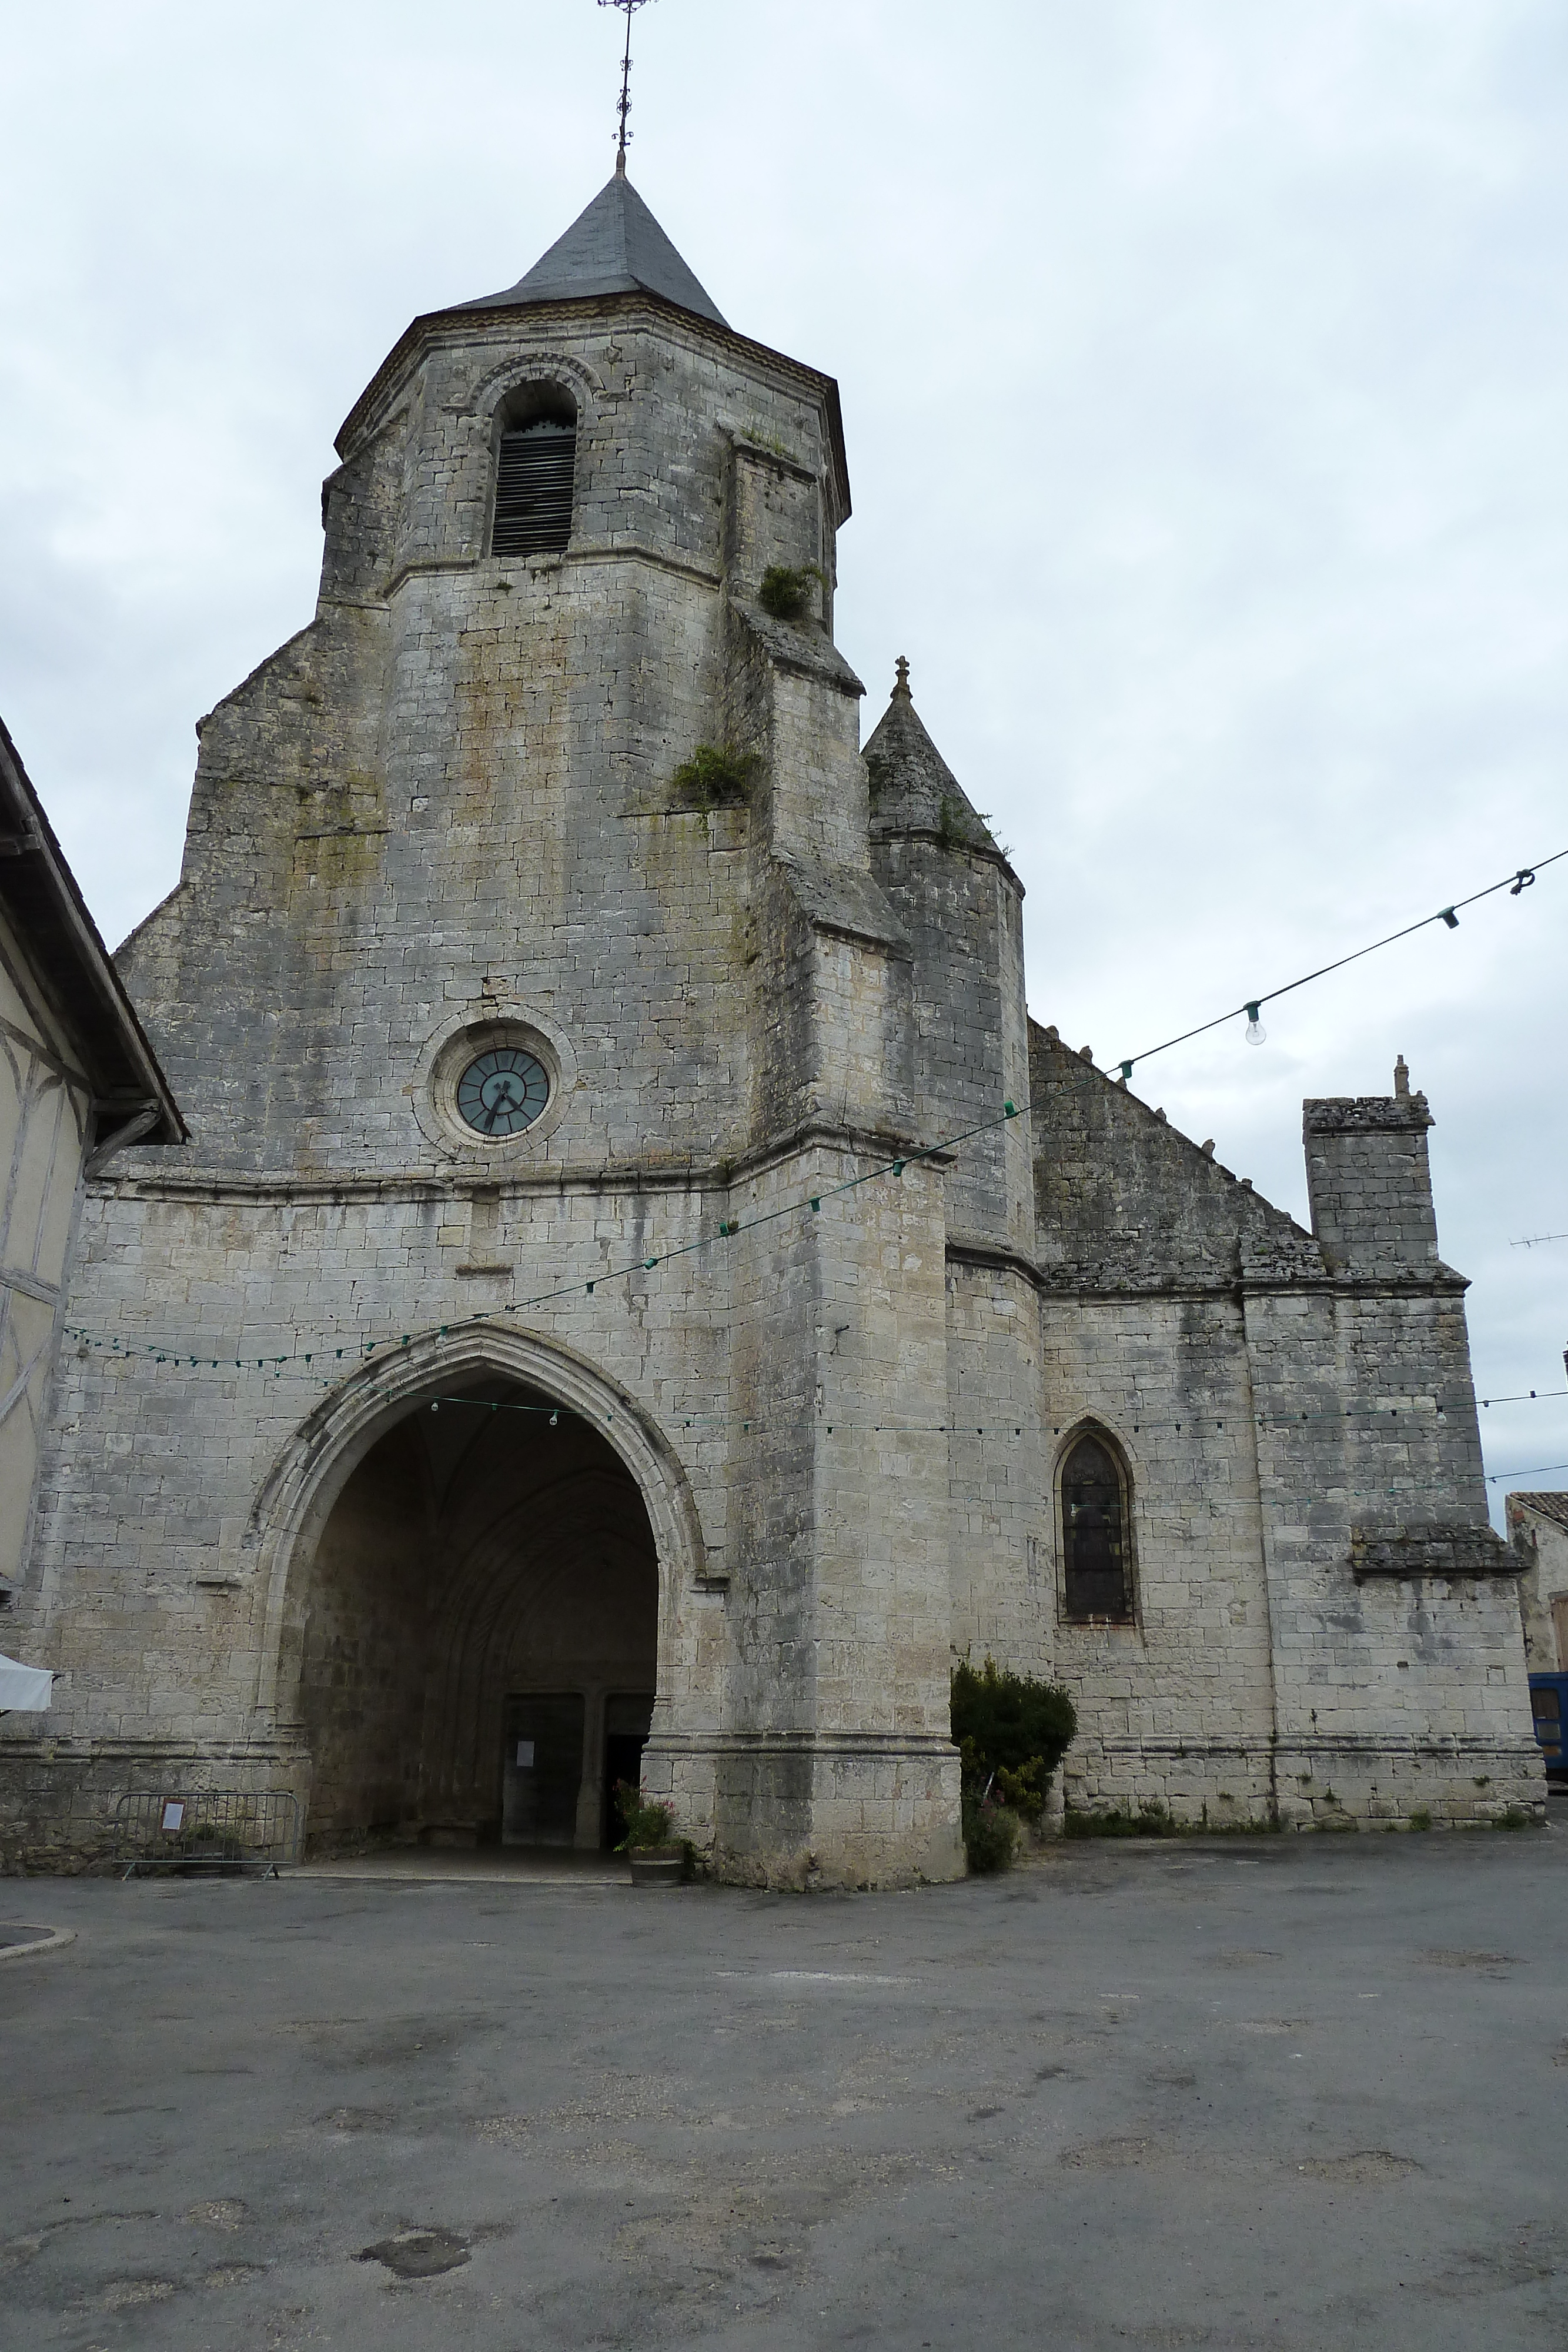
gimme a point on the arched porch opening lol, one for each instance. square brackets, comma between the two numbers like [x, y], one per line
[471, 1646]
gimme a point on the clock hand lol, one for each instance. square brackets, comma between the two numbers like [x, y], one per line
[505, 1100]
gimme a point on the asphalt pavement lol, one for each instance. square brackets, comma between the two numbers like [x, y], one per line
[1263, 2092]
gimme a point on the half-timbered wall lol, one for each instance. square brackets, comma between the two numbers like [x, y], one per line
[44, 1104]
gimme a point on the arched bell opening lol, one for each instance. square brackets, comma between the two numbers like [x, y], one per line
[473, 1645]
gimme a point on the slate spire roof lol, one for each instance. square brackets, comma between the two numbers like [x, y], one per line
[913, 789]
[616, 247]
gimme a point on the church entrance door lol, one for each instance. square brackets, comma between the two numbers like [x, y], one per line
[541, 1773]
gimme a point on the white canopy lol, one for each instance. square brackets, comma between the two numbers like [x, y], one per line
[24, 1690]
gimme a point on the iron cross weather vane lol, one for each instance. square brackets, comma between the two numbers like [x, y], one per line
[624, 107]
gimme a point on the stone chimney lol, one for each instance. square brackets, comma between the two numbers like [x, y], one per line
[1369, 1183]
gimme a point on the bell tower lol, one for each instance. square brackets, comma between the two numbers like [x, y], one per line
[528, 931]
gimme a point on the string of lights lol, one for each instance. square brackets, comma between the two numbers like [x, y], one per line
[718, 1424]
[1533, 1241]
[1515, 884]
[1412, 1408]
[553, 1415]
[180, 1353]
[1539, 1470]
[303, 1361]
[364, 1344]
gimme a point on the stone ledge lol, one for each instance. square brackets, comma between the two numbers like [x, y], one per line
[1430, 1547]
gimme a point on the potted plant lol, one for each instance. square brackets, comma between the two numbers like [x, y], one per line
[653, 1855]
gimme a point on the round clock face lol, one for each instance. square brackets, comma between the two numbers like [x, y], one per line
[502, 1092]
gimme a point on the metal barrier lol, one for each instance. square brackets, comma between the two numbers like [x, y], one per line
[207, 1829]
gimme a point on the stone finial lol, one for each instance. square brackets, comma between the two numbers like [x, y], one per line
[1207, 1147]
[1086, 1052]
[901, 682]
[1401, 1081]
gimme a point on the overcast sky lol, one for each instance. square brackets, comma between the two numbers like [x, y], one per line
[1205, 377]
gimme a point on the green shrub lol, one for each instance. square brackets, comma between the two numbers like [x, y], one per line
[784, 592]
[990, 1834]
[1011, 1733]
[716, 776]
[645, 1821]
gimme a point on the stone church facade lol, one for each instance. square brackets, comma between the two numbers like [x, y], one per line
[639, 1292]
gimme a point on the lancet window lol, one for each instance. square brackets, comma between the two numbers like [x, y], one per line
[1096, 1534]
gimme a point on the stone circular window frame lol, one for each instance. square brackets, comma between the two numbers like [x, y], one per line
[447, 1055]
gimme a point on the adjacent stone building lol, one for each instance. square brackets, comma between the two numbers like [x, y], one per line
[1538, 1527]
[641, 1293]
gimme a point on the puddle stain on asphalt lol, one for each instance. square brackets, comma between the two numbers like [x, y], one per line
[418, 2253]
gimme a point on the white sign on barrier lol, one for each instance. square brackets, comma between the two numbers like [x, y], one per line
[525, 1753]
[173, 1814]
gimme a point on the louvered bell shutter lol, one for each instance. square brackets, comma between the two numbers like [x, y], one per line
[533, 490]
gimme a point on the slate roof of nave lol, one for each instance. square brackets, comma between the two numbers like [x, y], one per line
[614, 247]
[913, 789]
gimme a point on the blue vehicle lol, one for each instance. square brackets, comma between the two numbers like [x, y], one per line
[1549, 1705]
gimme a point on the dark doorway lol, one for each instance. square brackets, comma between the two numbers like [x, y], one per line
[542, 1774]
[486, 1578]
[627, 1721]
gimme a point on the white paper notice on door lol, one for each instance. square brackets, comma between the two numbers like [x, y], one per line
[525, 1753]
[173, 1814]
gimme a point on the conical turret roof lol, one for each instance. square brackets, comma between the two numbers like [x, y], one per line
[913, 789]
[616, 247]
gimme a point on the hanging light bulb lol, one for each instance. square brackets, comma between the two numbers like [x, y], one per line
[1256, 1032]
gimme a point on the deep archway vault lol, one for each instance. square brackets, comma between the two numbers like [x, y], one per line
[481, 1611]
[485, 1526]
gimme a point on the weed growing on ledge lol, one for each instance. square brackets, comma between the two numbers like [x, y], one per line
[784, 592]
[716, 776]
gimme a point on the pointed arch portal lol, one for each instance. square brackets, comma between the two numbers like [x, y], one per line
[472, 1554]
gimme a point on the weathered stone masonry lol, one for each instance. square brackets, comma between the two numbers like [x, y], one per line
[446, 814]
